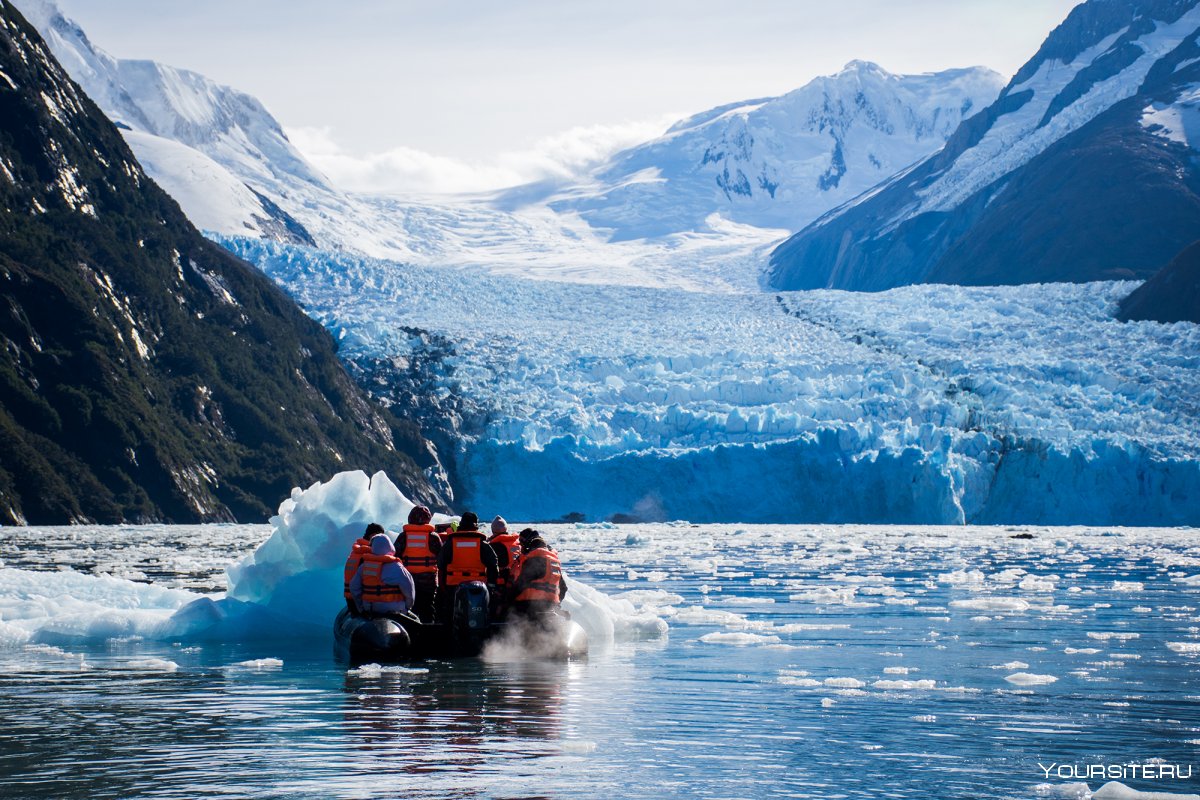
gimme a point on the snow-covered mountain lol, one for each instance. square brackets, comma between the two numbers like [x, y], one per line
[1082, 169]
[216, 150]
[781, 162]
[764, 166]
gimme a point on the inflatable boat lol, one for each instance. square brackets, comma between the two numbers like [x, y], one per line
[360, 639]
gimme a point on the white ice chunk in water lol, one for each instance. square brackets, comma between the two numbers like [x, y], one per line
[1030, 679]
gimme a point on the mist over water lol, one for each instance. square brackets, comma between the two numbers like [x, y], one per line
[798, 662]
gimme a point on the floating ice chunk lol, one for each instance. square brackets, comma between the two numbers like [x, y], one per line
[74, 605]
[1189, 648]
[1032, 583]
[650, 598]
[1087, 651]
[1064, 791]
[1104, 636]
[905, 684]
[960, 577]
[699, 615]
[1030, 679]
[899, 670]
[925, 718]
[376, 670]
[845, 683]
[74, 659]
[608, 619]
[653, 576]
[258, 664]
[1127, 586]
[828, 702]
[738, 639]
[1011, 665]
[992, 603]
[297, 572]
[1114, 790]
[149, 665]
[801, 627]
[791, 680]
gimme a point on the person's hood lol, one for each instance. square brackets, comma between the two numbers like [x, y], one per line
[381, 545]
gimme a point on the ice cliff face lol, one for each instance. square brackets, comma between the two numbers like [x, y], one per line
[926, 404]
[781, 162]
[1081, 169]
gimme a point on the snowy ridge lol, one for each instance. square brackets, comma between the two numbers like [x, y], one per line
[929, 404]
[1018, 136]
[1178, 121]
[782, 162]
[254, 182]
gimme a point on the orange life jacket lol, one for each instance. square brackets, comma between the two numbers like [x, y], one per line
[418, 557]
[359, 549]
[511, 543]
[374, 590]
[466, 562]
[546, 587]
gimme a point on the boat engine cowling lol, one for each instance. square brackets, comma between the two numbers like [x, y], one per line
[471, 618]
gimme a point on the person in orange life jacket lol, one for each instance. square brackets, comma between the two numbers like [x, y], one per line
[382, 585]
[465, 556]
[361, 546]
[539, 586]
[418, 546]
[508, 553]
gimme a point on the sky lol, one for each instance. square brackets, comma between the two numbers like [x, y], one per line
[458, 95]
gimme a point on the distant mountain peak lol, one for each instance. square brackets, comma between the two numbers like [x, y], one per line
[779, 162]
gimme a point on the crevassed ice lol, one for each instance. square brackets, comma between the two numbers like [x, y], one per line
[924, 404]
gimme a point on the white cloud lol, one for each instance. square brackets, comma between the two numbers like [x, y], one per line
[406, 170]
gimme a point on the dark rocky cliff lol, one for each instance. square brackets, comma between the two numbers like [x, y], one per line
[145, 373]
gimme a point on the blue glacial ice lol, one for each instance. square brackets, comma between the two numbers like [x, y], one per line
[288, 588]
[929, 404]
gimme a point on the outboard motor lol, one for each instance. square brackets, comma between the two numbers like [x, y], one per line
[471, 620]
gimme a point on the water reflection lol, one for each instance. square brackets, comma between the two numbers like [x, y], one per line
[470, 718]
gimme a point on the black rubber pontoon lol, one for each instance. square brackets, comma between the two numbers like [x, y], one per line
[362, 639]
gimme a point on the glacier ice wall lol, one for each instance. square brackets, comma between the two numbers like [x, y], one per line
[929, 404]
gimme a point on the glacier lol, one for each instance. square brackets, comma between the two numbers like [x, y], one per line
[928, 404]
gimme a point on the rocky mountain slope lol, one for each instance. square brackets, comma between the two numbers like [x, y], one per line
[1172, 295]
[147, 374]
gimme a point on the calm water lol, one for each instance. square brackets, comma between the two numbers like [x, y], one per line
[818, 662]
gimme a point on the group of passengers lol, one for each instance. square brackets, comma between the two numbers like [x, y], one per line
[421, 570]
